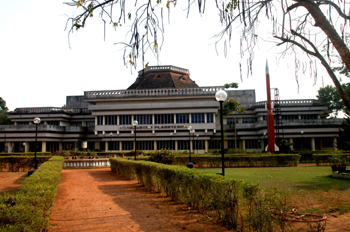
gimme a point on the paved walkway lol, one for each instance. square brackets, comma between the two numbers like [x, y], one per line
[99, 200]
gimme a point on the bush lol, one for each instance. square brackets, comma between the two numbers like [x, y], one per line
[33, 201]
[20, 163]
[235, 203]
[162, 156]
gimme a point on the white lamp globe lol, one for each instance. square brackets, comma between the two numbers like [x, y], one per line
[37, 120]
[220, 95]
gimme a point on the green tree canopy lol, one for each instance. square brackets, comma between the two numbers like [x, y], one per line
[3, 109]
[330, 95]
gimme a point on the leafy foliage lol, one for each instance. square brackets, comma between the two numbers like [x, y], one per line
[330, 95]
[235, 203]
[162, 156]
[33, 201]
[344, 135]
[232, 105]
[3, 109]
[231, 85]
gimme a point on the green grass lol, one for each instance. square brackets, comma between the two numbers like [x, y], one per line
[307, 178]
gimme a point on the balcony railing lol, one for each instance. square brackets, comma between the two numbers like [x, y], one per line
[50, 110]
[152, 92]
[303, 102]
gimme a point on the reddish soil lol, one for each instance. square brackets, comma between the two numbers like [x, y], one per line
[99, 200]
[11, 181]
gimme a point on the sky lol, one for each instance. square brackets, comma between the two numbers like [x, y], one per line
[39, 67]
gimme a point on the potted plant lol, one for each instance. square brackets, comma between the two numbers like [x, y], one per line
[338, 162]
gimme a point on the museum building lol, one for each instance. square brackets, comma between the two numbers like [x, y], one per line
[165, 101]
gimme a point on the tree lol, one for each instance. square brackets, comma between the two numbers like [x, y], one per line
[231, 85]
[344, 135]
[299, 25]
[330, 95]
[233, 106]
[3, 109]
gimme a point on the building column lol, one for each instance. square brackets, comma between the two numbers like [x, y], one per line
[60, 146]
[43, 146]
[155, 145]
[26, 146]
[97, 145]
[313, 144]
[9, 146]
[120, 145]
[243, 144]
[175, 145]
[106, 146]
[262, 144]
[206, 143]
[335, 144]
[291, 146]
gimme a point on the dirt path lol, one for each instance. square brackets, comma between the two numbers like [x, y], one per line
[99, 200]
[11, 181]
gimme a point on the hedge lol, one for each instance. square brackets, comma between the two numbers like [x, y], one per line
[323, 159]
[237, 204]
[33, 201]
[261, 160]
[25, 154]
[20, 163]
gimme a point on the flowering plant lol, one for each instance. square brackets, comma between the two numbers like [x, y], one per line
[338, 159]
[162, 156]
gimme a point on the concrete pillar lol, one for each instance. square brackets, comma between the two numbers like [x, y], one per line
[313, 144]
[243, 144]
[120, 145]
[43, 146]
[155, 145]
[291, 141]
[262, 144]
[206, 143]
[175, 145]
[106, 146]
[10, 147]
[97, 145]
[335, 144]
[60, 146]
[26, 146]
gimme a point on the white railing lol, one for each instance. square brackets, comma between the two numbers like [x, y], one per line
[152, 92]
[163, 68]
[50, 109]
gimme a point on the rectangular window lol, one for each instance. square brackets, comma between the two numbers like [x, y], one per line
[248, 120]
[71, 124]
[198, 145]
[210, 117]
[127, 145]
[290, 117]
[252, 144]
[143, 119]
[99, 120]
[182, 118]
[166, 145]
[125, 120]
[163, 119]
[231, 144]
[231, 121]
[197, 118]
[309, 117]
[145, 145]
[102, 146]
[327, 142]
[214, 144]
[111, 120]
[183, 145]
[113, 145]
[90, 124]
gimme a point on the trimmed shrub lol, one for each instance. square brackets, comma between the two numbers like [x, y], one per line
[33, 201]
[20, 163]
[237, 204]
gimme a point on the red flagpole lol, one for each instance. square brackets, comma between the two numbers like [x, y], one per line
[269, 116]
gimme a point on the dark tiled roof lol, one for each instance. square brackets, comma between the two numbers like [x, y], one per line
[164, 77]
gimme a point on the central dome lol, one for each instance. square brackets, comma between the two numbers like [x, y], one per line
[158, 77]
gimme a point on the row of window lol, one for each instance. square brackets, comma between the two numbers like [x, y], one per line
[145, 119]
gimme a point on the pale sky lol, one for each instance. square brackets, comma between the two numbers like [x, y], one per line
[38, 69]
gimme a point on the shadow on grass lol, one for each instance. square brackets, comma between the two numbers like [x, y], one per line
[324, 183]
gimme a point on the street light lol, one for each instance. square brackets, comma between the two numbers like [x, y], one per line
[135, 123]
[36, 122]
[171, 141]
[190, 164]
[302, 138]
[221, 96]
[110, 142]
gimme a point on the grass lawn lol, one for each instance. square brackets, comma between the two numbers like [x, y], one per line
[310, 188]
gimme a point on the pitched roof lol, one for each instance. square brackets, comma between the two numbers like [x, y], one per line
[163, 77]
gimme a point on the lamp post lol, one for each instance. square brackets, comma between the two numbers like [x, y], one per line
[265, 139]
[192, 132]
[110, 142]
[135, 123]
[190, 164]
[197, 143]
[221, 96]
[302, 138]
[171, 141]
[36, 122]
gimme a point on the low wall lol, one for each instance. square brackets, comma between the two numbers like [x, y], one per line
[85, 162]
